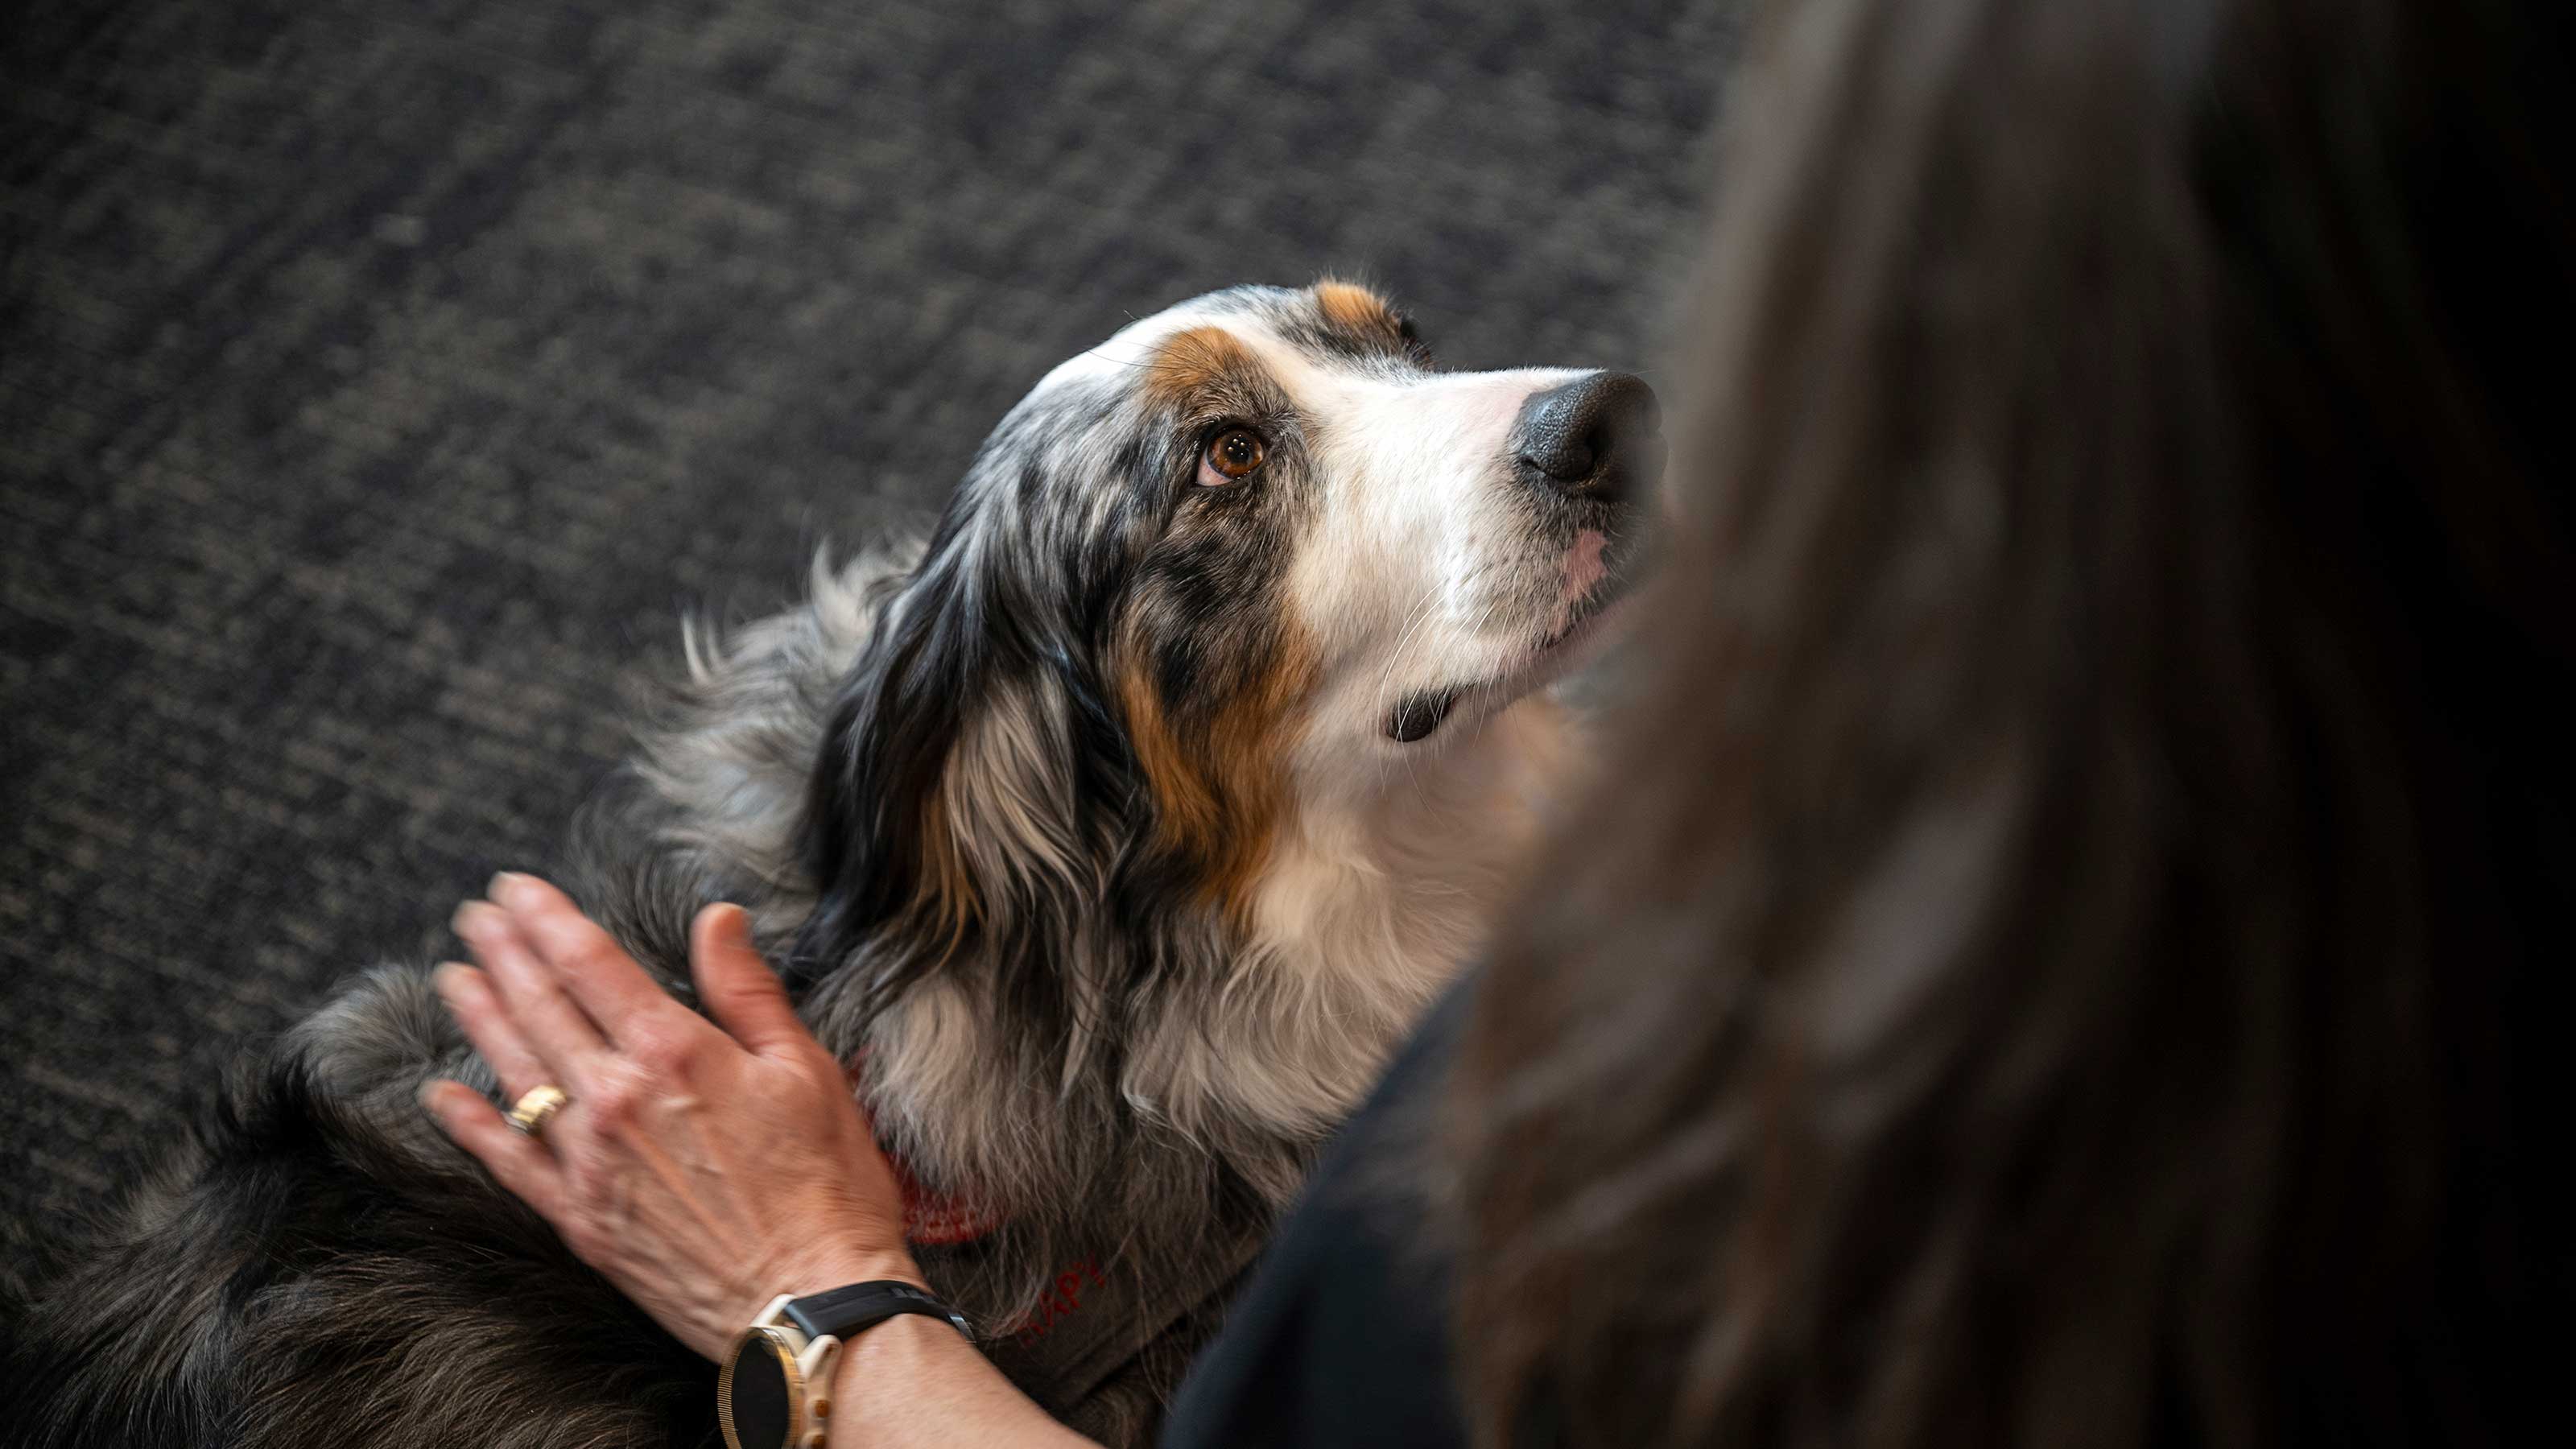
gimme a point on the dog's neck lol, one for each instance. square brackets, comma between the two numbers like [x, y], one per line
[1380, 889]
[1370, 903]
[1376, 894]
[1373, 897]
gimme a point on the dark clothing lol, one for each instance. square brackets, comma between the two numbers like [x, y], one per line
[1342, 1338]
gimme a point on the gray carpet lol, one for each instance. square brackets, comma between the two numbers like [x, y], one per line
[379, 382]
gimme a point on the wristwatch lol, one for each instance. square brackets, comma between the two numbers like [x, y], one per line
[775, 1390]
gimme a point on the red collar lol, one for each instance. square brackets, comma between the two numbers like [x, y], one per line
[936, 1220]
[930, 1219]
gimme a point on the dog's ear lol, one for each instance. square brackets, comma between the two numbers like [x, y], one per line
[872, 837]
[956, 806]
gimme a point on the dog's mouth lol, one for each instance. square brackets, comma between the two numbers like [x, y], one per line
[1420, 715]
[1416, 715]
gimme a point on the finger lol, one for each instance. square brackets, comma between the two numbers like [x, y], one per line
[516, 1160]
[586, 961]
[477, 1008]
[740, 991]
[547, 1020]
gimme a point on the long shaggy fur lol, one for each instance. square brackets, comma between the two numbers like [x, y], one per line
[1078, 833]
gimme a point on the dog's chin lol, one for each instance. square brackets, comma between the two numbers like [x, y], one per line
[1427, 712]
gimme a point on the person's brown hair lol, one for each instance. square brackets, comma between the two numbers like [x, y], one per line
[2069, 948]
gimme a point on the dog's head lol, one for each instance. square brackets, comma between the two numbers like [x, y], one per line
[1252, 549]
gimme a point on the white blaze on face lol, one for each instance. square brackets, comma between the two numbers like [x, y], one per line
[1427, 566]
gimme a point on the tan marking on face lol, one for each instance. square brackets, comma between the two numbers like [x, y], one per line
[1220, 785]
[1190, 365]
[1353, 308]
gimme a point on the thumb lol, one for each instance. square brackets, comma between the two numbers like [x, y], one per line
[740, 991]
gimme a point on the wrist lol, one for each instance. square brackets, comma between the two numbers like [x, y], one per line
[877, 1368]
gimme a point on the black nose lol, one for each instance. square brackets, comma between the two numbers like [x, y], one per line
[1599, 436]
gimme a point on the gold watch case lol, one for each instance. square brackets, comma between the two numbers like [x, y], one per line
[762, 1358]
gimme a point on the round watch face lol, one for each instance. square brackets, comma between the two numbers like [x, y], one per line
[760, 1399]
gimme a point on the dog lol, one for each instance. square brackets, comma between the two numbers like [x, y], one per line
[1113, 835]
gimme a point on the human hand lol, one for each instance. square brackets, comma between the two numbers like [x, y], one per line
[702, 1167]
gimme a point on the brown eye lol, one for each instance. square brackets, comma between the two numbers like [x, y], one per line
[1231, 456]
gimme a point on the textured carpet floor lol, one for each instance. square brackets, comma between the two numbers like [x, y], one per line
[379, 382]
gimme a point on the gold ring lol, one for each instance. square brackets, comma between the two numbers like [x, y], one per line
[530, 1112]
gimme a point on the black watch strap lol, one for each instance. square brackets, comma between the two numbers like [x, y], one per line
[845, 1311]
